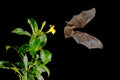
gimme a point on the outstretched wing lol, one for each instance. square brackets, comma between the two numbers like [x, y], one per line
[87, 40]
[82, 19]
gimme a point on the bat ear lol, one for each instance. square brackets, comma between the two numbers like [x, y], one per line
[66, 21]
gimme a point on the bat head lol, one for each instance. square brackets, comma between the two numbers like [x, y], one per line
[68, 32]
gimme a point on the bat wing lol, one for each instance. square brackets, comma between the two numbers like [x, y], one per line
[87, 40]
[82, 19]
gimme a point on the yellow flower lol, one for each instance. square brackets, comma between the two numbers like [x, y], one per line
[52, 30]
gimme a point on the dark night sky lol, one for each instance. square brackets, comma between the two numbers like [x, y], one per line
[70, 60]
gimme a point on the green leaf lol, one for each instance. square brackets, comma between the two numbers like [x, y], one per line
[7, 47]
[12, 47]
[33, 71]
[34, 45]
[47, 70]
[45, 55]
[25, 76]
[6, 65]
[33, 24]
[39, 69]
[20, 31]
[32, 53]
[30, 63]
[36, 60]
[42, 68]
[25, 61]
[43, 40]
[39, 76]
[23, 48]
[31, 47]
[17, 70]
[20, 65]
[31, 77]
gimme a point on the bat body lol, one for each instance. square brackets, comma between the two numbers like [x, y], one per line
[79, 21]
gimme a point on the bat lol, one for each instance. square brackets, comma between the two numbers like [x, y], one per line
[79, 21]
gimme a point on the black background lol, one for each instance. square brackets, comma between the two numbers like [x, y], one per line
[70, 60]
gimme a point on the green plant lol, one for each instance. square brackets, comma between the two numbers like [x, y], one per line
[31, 68]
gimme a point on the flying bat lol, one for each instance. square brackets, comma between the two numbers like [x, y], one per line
[79, 21]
